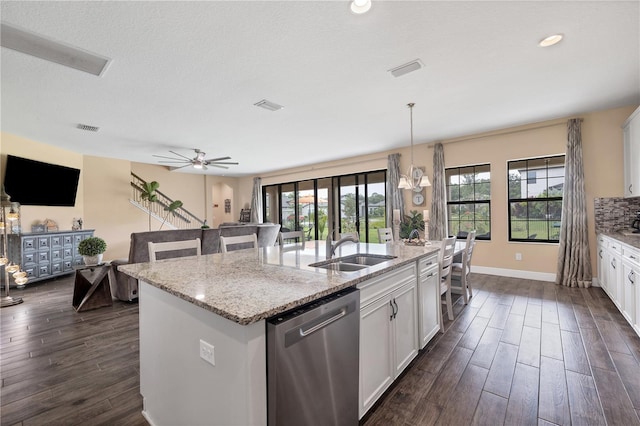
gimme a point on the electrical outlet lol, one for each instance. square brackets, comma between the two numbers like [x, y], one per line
[518, 256]
[206, 352]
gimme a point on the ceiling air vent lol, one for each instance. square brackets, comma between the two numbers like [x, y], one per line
[88, 128]
[271, 106]
[406, 68]
[33, 44]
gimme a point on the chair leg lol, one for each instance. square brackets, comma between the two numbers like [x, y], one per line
[449, 304]
[468, 285]
[463, 285]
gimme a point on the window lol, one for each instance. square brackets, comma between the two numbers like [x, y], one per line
[535, 199]
[469, 200]
[351, 202]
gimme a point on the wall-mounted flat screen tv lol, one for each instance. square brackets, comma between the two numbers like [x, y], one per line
[34, 183]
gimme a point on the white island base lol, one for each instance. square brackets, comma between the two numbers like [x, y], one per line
[180, 388]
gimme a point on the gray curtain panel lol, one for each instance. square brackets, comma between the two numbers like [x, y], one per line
[256, 201]
[438, 223]
[395, 199]
[574, 260]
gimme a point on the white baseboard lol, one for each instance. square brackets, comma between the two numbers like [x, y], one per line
[514, 273]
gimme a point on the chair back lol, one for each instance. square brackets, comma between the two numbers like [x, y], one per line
[385, 235]
[155, 248]
[446, 256]
[298, 236]
[225, 242]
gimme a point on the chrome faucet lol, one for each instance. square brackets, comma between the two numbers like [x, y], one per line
[331, 247]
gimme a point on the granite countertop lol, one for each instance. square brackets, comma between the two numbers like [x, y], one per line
[246, 286]
[627, 238]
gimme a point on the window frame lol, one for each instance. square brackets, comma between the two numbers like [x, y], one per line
[474, 202]
[550, 221]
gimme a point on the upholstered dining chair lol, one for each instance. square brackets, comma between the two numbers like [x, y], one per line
[461, 268]
[385, 235]
[445, 260]
[155, 248]
[297, 236]
[225, 242]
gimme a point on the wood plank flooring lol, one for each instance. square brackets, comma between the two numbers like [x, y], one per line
[521, 352]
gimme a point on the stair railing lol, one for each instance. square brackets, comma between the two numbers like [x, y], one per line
[181, 218]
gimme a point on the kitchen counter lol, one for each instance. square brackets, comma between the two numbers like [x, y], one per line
[246, 286]
[625, 238]
[203, 324]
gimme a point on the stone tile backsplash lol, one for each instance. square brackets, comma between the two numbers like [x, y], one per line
[615, 214]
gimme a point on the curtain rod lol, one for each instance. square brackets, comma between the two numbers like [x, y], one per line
[323, 167]
[502, 133]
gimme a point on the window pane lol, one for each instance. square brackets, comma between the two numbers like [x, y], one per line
[483, 191]
[452, 177]
[454, 193]
[466, 192]
[556, 186]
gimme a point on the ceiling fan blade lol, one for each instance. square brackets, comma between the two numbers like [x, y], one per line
[209, 160]
[220, 167]
[164, 156]
[180, 155]
[223, 162]
[174, 161]
[182, 167]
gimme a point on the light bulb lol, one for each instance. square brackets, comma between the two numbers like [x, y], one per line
[19, 274]
[13, 268]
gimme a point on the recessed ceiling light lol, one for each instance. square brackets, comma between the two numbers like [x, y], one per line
[406, 68]
[360, 6]
[551, 40]
[45, 48]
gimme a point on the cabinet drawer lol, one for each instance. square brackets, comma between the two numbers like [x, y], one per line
[56, 255]
[29, 258]
[67, 240]
[377, 287]
[29, 244]
[67, 265]
[631, 254]
[44, 243]
[31, 272]
[426, 264]
[615, 246]
[56, 241]
[44, 270]
[67, 253]
[56, 268]
[44, 257]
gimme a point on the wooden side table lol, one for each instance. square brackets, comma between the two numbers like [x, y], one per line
[92, 287]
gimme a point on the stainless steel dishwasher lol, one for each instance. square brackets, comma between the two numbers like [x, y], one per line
[312, 362]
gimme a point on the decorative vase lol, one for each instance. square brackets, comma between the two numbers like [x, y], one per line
[92, 260]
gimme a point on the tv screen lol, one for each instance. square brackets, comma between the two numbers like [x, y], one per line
[34, 183]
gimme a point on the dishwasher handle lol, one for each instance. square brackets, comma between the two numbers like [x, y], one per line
[323, 324]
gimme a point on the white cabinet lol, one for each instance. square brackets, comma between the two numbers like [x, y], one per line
[388, 331]
[618, 272]
[603, 265]
[630, 275]
[429, 299]
[631, 130]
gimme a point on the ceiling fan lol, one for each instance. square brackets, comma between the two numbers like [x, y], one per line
[198, 162]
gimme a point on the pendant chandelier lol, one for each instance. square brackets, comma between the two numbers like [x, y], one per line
[415, 179]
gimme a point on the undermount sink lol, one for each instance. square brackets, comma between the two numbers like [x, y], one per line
[354, 262]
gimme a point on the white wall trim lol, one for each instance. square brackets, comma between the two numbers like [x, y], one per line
[514, 273]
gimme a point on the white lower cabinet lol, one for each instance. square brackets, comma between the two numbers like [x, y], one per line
[429, 299]
[618, 272]
[388, 331]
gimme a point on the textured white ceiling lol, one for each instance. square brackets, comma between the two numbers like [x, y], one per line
[185, 75]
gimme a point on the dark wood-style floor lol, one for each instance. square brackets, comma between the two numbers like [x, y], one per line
[521, 352]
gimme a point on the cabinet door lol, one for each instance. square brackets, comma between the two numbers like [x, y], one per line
[632, 155]
[603, 271]
[629, 278]
[613, 280]
[405, 328]
[376, 363]
[428, 317]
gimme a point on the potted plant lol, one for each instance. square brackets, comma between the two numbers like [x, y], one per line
[92, 249]
[149, 194]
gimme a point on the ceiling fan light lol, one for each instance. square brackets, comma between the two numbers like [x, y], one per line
[197, 165]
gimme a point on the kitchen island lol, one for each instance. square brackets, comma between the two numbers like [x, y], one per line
[223, 300]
